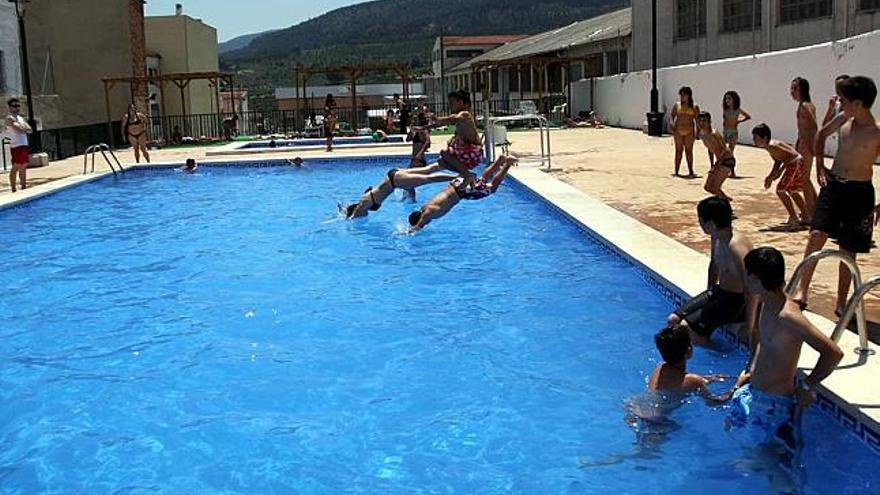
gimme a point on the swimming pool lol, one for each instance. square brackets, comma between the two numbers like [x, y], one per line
[339, 141]
[226, 332]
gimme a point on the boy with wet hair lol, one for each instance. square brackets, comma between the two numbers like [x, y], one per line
[845, 208]
[720, 157]
[464, 152]
[725, 300]
[766, 409]
[674, 344]
[789, 168]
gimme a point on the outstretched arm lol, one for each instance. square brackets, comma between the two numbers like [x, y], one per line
[446, 121]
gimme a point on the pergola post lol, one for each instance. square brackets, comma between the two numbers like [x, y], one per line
[107, 87]
[219, 115]
[567, 80]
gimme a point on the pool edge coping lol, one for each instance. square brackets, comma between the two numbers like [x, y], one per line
[679, 271]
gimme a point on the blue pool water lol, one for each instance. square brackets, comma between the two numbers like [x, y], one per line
[298, 143]
[226, 333]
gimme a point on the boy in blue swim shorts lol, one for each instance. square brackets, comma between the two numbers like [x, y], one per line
[765, 409]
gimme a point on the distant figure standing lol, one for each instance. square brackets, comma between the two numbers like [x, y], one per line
[230, 126]
[329, 120]
[734, 115]
[807, 129]
[683, 125]
[421, 143]
[134, 130]
[17, 130]
[403, 113]
[389, 121]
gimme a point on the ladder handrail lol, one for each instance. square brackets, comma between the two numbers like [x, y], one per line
[103, 148]
[858, 288]
[850, 310]
[543, 127]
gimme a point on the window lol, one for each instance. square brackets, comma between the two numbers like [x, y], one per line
[615, 62]
[803, 10]
[869, 5]
[690, 19]
[740, 15]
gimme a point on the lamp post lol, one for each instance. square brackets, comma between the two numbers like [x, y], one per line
[655, 118]
[35, 141]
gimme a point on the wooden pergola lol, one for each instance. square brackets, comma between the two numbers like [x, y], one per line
[179, 80]
[353, 72]
[540, 62]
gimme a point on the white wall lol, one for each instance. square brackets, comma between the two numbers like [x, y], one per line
[762, 82]
[11, 62]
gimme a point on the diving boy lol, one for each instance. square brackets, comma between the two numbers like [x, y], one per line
[460, 189]
[373, 197]
[845, 207]
[765, 409]
[789, 168]
[725, 300]
[722, 160]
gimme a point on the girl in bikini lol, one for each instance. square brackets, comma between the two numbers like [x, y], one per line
[684, 131]
[134, 129]
[733, 117]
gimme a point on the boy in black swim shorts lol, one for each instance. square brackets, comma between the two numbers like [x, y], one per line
[845, 207]
[725, 300]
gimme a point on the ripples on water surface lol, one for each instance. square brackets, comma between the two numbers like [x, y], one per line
[225, 332]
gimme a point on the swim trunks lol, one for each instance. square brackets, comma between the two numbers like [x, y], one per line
[711, 309]
[375, 205]
[756, 418]
[21, 155]
[793, 176]
[469, 155]
[729, 162]
[845, 211]
[473, 191]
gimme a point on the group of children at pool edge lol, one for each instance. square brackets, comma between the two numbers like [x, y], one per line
[766, 401]
[464, 152]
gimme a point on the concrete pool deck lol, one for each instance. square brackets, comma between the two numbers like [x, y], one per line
[599, 169]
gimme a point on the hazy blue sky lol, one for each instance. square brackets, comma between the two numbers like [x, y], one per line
[236, 17]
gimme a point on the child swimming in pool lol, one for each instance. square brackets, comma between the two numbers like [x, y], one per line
[190, 167]
[671, 376]
[464, 151]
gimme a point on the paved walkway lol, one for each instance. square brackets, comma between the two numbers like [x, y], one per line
[628, 171]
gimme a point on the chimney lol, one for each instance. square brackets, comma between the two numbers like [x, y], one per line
[178, 9]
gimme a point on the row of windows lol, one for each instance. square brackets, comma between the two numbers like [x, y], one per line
[2, 72]
[745, 15]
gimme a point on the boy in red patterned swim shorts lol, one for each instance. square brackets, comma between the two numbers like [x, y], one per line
[464, 152]
[790, 169]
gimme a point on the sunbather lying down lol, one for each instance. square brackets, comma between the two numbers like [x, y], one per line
[373, 197]
[461, 189]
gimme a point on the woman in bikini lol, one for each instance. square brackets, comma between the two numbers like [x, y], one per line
[684, 130]
[734, 115]
[134, 129]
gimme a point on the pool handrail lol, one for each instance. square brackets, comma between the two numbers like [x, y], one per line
[543, 126]
[103, 148]
[4, 143]
[856, 303]
[854, 306]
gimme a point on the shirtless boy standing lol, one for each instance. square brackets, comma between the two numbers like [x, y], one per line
[845, 208]
[460, 189]
[464, 151]
[725, 300]
[764, 410]
[789, 165]
[722, 160]
[807, 127]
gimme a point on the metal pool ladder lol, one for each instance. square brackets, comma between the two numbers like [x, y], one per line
[543, 127]
[103, 148]
[854, 307]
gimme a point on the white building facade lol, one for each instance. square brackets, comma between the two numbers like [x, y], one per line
[10, 61]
